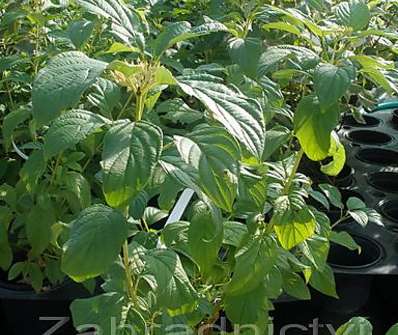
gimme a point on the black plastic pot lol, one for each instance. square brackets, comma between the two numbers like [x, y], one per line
[344, 179]
[369, 137]
[375, 156]
[353, 288]
[26, 312]
[389, 210]
[370, 121]
[386, 182]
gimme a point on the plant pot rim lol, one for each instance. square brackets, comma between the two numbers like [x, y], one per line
[382, 174]
[374, 243]
[388, 138]
[382, 151]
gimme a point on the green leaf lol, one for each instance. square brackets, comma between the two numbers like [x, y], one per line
[331, 82]
[283, 26]
[241, 116]
[182, 31]
[165, 274]
[313, 127]
[125, 23]
[205, 236]
[214, 154]
[359, 216]
[79, 32]
[295, 286]
[254, 259]
[274, 139]
[70, 129]
[61, 83]
[323, 281]
[105, 97]
[246, 53]
[354, 203]
[353, 13]
[38, 227]
[337, 152]
[333, 194]
[356, 326]
[130, 154]
[95, 241]
[393, 330]
[97, 311]
[234, 233]
[299, 228]
[244, 309]
[318, 196]
[33, 168]
[12, 120]
[344, 239]
[5, 248]
[80, 188]
[153, 215]
[176, 110]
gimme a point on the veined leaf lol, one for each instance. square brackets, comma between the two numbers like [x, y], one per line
[353, 13]
[69, 129]
[95, 241]
[130, 154]
[331, 82]
[165, 274]
[214, 154]
[106, 96]
[61, 83]
[313, 127]
[125, 23]
[241, 116]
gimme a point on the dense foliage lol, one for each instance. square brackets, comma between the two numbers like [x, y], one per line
[117, 107]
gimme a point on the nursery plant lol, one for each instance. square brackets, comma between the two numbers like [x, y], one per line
[143, 109]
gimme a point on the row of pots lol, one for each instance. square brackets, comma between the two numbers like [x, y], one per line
[365, 282]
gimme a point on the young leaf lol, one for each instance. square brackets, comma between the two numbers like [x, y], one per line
[69, 129]
[313, 127]
[61, 83]
[241, 116]
[130, 154]
[95, 241]
[330, 83]
[214, 154]
[80, 188]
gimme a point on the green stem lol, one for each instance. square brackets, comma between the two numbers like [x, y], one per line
[139, 109]
[125, 105]
[294, 171]
[126, 262]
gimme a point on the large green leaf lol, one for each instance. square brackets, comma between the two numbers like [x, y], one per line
[125, 23]
[165, 274]
[392, 331]
[205, 236]
[69, 129]
[130, 154]
[331, 82]
[97, 311]
[313, 127]
[246, 53]
[181, 31]
[214, 154]
[241, 116]
[356, 326]
[323, 281]
[95, 241]
[353, 13]
[61, 83]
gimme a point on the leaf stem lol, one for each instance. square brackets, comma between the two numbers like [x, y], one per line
[126, 262]
[294, 171]
[139, 110]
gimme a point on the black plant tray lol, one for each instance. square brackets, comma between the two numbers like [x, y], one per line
[372, 151]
